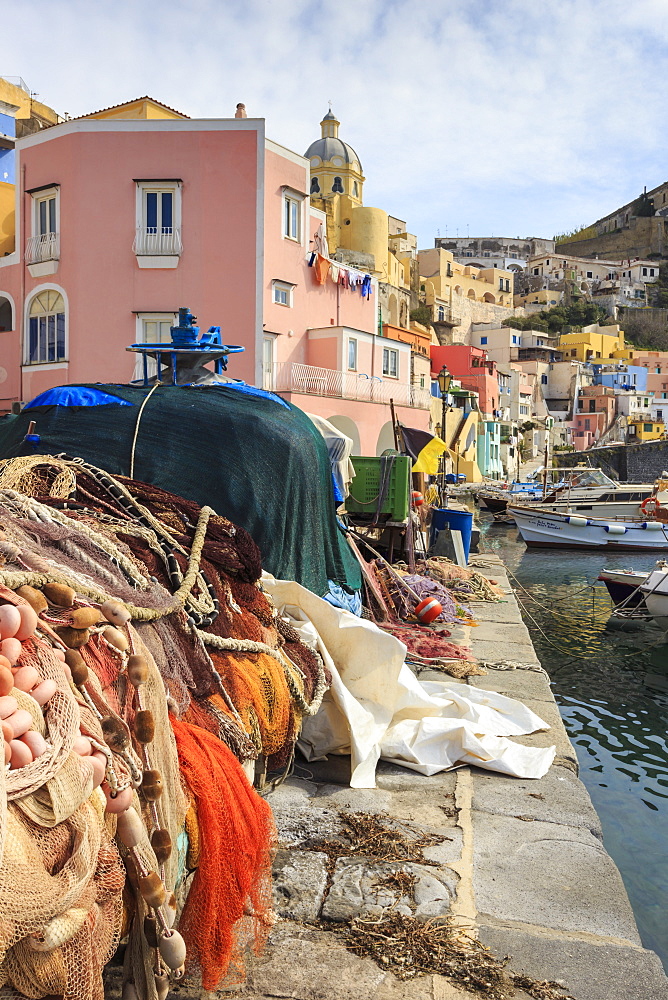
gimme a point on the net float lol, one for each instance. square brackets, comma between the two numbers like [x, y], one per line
[59, 594]
[8, 706]
[34, 597]
[6, 681]
[10, 621]
[78, 668]
[73, 637]
[8, 752]
[116, 638]
[84, 617]
[44, 691]
[428, 610]
[130, 828]
[115, 613]
[7, 732]
[35, 743]
[20, 755]
[153, 891]
[12, 649]
[99, 764]
[28, 623]
[137, 669]
[117, 803]
[26, 678]
[172, 949]
[417, 498]
[20, 721]
[83, 746]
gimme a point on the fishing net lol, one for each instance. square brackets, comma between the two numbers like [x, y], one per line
[223, 681]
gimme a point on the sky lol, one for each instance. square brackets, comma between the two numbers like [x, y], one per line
[478, 117]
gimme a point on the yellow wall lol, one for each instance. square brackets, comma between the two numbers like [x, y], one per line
[445, 279]
[27, 107]
[590, 346]
[641, 434]
[7, 195]
[144, 108]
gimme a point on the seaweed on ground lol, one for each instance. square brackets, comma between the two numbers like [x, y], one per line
[368, 834]
[408, 947]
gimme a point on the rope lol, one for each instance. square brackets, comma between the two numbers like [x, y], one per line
[134, 439]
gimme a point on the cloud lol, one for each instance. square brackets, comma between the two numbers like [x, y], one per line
[506, 116]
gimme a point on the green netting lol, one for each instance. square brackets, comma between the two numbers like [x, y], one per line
[261, 464]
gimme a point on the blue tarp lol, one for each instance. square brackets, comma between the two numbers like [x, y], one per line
[76, 395]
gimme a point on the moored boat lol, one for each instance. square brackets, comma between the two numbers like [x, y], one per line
[623, 585]
[545, 528]
[567, 486]
[655, 592]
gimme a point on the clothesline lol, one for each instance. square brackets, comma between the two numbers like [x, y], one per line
[339, 274]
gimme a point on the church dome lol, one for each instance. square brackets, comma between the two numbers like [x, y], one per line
[329, 148]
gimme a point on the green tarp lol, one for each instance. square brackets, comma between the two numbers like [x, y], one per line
[257, 461]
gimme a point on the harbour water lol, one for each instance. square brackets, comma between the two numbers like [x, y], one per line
[610, 681]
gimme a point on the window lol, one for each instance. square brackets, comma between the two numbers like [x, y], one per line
[158, 223]
[659, 414]
[589, 274]
[352, 355]
[268, 363]
[315, 187]
[152, 328]
[282, 293]
[441, 314]
[46, 329]
[644, 271]
[651, 272]
[516, 339]
[291, 218]
[483, 340]
[648, 428]
[43, 245]
[587, 423]
[390, 362]
[337, 186]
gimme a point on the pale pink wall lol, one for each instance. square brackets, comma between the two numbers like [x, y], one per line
[216, 275]
[370, 418]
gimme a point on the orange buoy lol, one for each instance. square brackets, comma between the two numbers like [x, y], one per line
[416, 498]
[428, 610]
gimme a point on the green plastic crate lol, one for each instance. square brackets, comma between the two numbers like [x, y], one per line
[365, 487]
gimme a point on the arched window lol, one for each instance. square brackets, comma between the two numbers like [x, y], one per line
[315, 187]
[441, 314]
[337, 186]
[46, 328]
[356, 190]
[6, 314]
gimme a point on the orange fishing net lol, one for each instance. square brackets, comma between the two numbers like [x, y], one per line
[229, 904]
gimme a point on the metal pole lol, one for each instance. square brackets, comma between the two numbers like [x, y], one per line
[394, 426]
[443, 406]
[547, 448]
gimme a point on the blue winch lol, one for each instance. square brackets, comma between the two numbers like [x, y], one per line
[187, 354]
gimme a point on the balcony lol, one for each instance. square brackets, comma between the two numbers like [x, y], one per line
[290, 376]
[151, 243]
[45, 247]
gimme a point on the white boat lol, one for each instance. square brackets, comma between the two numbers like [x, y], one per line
[655, 592]
[545, 528]
[570, 485]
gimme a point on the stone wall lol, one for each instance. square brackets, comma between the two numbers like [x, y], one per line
[630, 463]
[469, 312]
[644, 236]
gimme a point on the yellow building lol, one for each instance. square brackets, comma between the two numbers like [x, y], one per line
[444, 282]
[645, 430]
[546, 298]
[461, 432]
[337, 186]
[140, 108]
[593, 343]
[20, 115]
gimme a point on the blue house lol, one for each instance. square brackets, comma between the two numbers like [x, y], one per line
[621, 377]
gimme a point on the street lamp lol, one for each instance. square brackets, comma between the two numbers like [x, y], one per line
[444, 378]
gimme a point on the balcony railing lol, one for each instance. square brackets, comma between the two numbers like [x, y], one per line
[42, 248]
[290, 376]
[153, 243]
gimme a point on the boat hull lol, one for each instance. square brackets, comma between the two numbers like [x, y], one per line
[655, 592]
[547, 529]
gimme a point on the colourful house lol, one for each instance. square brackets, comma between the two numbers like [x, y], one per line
[592, 342]
[208, 214]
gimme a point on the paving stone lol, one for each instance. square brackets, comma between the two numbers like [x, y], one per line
[558, 797]
[299, 878]
[295, 820]
[519, 684]
[370, 800]
[304, 963]
[549, 875]
[494, 611]
[502, 632]
[589, 970]
[555, 736]
[394, 778]
[334, 769]
[494, 649]
[358, 887]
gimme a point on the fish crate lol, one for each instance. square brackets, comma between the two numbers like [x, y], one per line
[366, 486]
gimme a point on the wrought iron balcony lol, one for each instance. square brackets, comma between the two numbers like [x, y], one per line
[151, 241]
[42, 248]
[291, 376]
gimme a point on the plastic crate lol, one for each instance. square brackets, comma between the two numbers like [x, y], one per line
[365, 487]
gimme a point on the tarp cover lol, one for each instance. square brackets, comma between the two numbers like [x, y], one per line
[262, 463]
[376, 706]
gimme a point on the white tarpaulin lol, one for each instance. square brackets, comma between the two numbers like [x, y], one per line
[376, 707]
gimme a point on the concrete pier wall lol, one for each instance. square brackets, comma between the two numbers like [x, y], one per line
[630, 463]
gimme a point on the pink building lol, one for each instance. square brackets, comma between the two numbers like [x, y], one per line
[595, 414]
[120, 222]
[471, 366]
[656, 363]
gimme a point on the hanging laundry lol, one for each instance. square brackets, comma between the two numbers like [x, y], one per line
[366, 286]
[312, 257]
[320, 241]
[334, 272]
[344, 277]
[322, 266]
